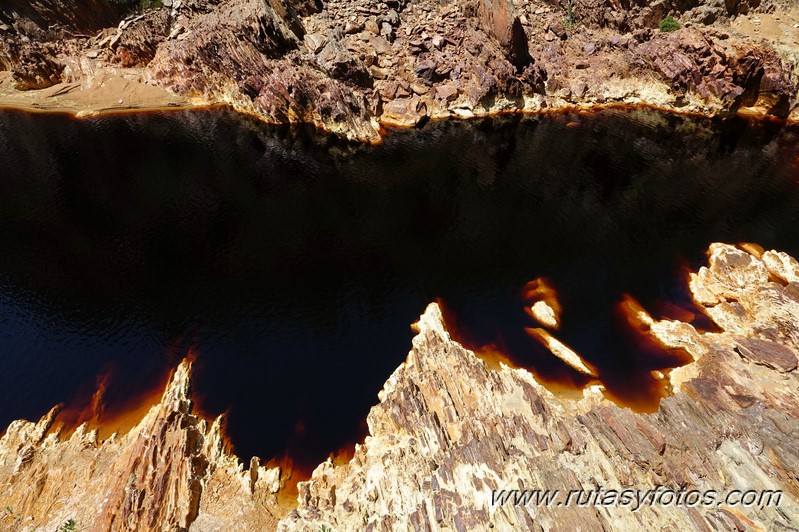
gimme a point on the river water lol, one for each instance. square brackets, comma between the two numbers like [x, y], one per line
[291, 264]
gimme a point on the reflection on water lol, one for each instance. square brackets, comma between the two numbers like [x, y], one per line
[293, 265]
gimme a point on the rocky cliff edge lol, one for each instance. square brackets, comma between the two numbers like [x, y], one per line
[356, 67]
[449, 431]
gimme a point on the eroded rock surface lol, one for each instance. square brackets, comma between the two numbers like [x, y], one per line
[351, 67]
[167, 473]
[448, 430]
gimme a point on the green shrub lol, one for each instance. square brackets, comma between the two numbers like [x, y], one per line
[569, 21]
[669, 24]
[69, 526]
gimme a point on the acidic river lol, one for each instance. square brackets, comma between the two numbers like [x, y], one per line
[291, 265]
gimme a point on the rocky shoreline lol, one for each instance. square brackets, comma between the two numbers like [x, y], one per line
[448, 430]
[355, 68]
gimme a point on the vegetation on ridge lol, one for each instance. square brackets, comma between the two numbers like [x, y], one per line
[669, 24]
[69, 526]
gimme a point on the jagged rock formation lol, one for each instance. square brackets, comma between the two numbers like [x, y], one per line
[352, 67]
[166, 471]
[448, 430]
[59, 18]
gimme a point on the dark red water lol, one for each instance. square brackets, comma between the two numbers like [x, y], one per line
[292, 265]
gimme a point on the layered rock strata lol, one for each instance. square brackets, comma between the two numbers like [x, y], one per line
[353, 67]
[448, 430]
[171, 471]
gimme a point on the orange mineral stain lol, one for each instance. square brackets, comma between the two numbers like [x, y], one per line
[110, 404]
[633, 372]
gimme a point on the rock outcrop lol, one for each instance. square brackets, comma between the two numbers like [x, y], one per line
[168, 470]
[448, 431]
[54, 19]
[352, 67]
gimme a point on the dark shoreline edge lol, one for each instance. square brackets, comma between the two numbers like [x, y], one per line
[747, 114]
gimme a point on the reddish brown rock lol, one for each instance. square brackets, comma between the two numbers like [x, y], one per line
[33, 66]
[500, 55]
[767, 353]
[404, 112]
[137, 45]
[691, 61]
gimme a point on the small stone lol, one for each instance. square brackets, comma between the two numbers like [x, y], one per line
[369, 58]
[387, 31]
[589, 48]
[377, 72]
[556, 27]
[581, 65]
[418, 88]
[447, 92]
[371, 26]
[352, 27]
[443, 70]
[388, 90]
[438, 41]
[314, 41]
[392, 17]
[545, 314]
[403, 89]
[381, 45]
[404, 112]
[425, 69]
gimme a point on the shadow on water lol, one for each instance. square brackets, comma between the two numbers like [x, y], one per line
[293, 265]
